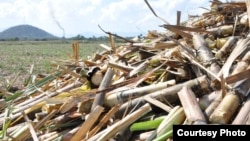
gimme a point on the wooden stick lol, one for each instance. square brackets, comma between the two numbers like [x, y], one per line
[89, 122]
[99, 98]
[191, 107]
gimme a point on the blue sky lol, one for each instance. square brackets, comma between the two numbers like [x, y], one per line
[82, 16]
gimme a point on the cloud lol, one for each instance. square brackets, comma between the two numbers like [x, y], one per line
[79, 16]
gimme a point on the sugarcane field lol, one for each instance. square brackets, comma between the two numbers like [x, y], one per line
[197, 72]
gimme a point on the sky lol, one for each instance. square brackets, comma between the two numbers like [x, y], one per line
[73, 17]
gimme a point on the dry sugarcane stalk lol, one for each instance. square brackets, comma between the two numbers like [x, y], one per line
[145, 135]
[52, 137]
[241, 89]
[226, 48]
[190, 29]
[69, 135]
[152, 10]
[41, 98]
[122, 96]
[129, 50]
[156, 45]
[207, 99]
[248, 119]
[154, 48]
[16, 127]
[239, 76]
[214, 104]
[61, 119]
[243, 18]
[139, 68]
[123, 135]
[170, 94]
[220, 42]
[104, 84]
[46, 96]
[24, 132]
[122, 124]
[222, 30]
[85, 127]
[2, 103]
[241, 47]
[179, 32]
[144, 54]
[191, 107]
[120, 37]
[45, 119]
[158, 103]
[75, 47]
[178, 19]
[46, 136]
[120, 67]
[112, 42]
[106, 47]
[204, 53]
[16, 134]
[242, 64]
[241, 71]
[226, 109]
[242, 115]
[190, 55]
[103, 121]
[248, 10]
[32, 130]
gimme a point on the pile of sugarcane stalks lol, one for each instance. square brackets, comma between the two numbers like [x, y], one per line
[196, 73]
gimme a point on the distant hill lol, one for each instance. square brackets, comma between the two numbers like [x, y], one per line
[28, 32]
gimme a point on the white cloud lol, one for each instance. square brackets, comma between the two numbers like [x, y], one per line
[79, 16]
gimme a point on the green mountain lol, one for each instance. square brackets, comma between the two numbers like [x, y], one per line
[26, 32]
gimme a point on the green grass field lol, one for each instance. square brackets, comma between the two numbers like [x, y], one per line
[17, 56]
